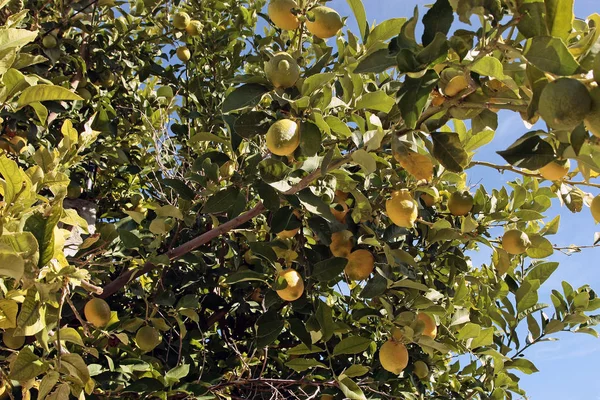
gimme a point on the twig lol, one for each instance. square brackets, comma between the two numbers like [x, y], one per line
[86, 331]
[91, 288]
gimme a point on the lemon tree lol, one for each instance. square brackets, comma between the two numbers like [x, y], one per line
[255, 199]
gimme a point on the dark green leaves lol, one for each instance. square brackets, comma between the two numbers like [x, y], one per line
[376, 62]
[268, 328]
[351, 345]
[448, 150]
[221, 201]
[550, 54]
[413, 96]
[531, 153]
[439, 18]
[245, 96]
[329, 269]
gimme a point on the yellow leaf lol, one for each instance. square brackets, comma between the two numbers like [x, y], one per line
[418, 165]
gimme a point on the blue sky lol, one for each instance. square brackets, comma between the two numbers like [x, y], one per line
[567, 367]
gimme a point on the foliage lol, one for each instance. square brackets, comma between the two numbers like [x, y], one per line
[131, 176]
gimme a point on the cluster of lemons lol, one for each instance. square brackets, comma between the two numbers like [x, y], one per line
[183, 22]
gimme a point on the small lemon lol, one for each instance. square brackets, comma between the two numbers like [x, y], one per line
[421, 369]
[402, 209]
[147, 338]
[460, 203]
[280, 12]
[183, 53]
[282, 70]
[554, 171]
[97, 312]
[326, 22]
[393, 356]
[181, 20]
[194, 28]
[360, 265]
[430, 327]
[11, 340]
[341, 244]
[515, 241]
[295, 285]
[283, 137]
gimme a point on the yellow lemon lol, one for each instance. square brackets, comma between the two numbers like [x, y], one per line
[194, 28]
[456, 85]
[341, 244]
[430, 327]
[515, 241]
[360, 265]
[283, 137]
[595, 208]
[97, 312]
[430, 200]
[181, 20]
[554, 171]
[326, 22]
[460, 203]
[183, 53]
[282, 70]
[421, 369]
[402, 208]
[393, 356]
[295, 285]
[280, 12]
[147, 338]
[564, 103]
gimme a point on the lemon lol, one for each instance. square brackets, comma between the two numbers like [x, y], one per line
[430, 327]
[165, 91]
[283, 137]
[421, 369]
[592, 120]
[295, 285]
[341, 244]
[84, 93]
[181, 20]
[147, 338]
[183, 53]
[393, 356]
[515, 241]
[402, 209]
[360, 265]
[430, 200]
[49, 41]
[564, 103]
[280, 12]
[460, 203]
[456, 85]
[97, 312]
[11, 340]
[595, 208]
[282, 70]
[326, 22]
[554, 171]
[194, 28]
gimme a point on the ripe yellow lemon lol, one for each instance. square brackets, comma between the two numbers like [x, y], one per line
[360, 265]
[421, 369]
[11, 340]
[181, 20]
[283, 137]
[595, 208]
[280, 12]
[97, 312]
[282, 70]
[460, 203]
[554, 171]
[295, 285]
[592, 120]
[147, 338]
[456, 85]
[564, 103]
[402, 208]
[393, 356]
[194, 28]
[183, 53]
[326, 22]
[430, 327]
[341, 244]
[430, 200]
[515, 241]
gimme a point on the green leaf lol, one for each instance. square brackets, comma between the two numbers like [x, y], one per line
[531, 153]
[70, 335]
[540, 247]
[330, 269]
[439, 18]
[358, 9]
[12, 183]
[355, 370]
[351, 390]
[324, 316]
[310, 139]
[351, 345]
[47, 384]
[11, 264]
[207, 137]
[245, 96]
[16, 38]
[272, 170]
[554, 326]
[378, 100]
[522, 365]
[376, 62]
[267, 331]
[252, 123]
[338, 126]
[559, 18]
[39, 93]
[385, 30]
[26, 366]
[413, 96]
[176, 374]
[268, 195]
[302, 349]
[8, 313]
[245, 276]
[42, 227]
[376, 286]
[460, 316]
[468, 331]
[221, 201]
[315, 82]
[485, 338]
[527, 295]
[448, 150]
[542, 271]
[298, 328]
[145, 385]
[550, 54]
[72, 364]
[31, 319]
[130, 240]
[315, 205]
[365, 160]
[302, 364]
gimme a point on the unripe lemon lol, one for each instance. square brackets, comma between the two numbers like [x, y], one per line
[283, 137]
[97, 312]
[165, 91]
[402, 209]
[341, 244]
[360, 265]
[595, 208]
[554, 171]
[564, 103]
[421, 369]
[11, 340]
[49, 41]
[430, 327]
[515, 241]
[282, 70]
[460, 203]
[84, 93]
[592, 120]
[194, 28]
[181, 20]
[430, 200]
[393, 356]
[107, 78]
[183, 53]
[280, 12]
[295, 285]
[326, 22]
[147, 338]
